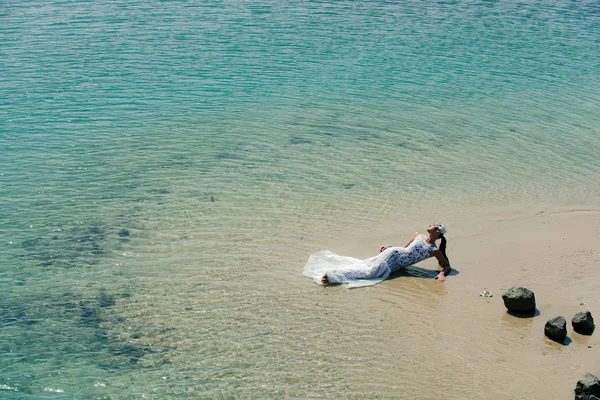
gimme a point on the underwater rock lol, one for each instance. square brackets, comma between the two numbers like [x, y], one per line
[106, 300]
[348, 185]
[135, 352]
[124, 233]
[583, 322]
[519, 300]
[588, 387]
[556, 329]
[94, 230]
[131, 349]
[299, 140]
[89, 316]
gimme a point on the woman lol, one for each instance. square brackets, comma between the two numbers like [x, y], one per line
[326, 267]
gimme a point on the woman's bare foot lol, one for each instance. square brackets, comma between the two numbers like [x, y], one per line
[325, 280]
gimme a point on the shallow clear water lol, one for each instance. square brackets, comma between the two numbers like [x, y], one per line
[167, 167]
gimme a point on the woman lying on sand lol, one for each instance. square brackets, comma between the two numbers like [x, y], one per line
[326, 267]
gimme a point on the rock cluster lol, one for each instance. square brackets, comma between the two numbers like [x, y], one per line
[521, 300]
[556, 328]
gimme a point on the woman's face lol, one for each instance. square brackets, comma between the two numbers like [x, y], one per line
[435, 227]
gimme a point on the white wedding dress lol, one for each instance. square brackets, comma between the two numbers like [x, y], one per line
[356, 272]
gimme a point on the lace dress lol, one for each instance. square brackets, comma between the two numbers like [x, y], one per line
[357, 272]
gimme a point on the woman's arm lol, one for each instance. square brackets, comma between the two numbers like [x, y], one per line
[412, 239]
[382, 248]
[443, 261]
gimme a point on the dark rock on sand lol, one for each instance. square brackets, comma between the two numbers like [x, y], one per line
[583, 322]
[588, 388]
[556, 329]
[519, 300]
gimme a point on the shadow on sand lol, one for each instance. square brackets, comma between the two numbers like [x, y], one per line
[417, 272]
[529, 314]
[420, 272]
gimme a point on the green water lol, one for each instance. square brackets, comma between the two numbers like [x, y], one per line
[160, 161]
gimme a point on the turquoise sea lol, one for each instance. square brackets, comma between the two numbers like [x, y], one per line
[166, 167]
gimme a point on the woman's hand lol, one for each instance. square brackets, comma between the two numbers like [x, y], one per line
[441, 277]
[382, 248]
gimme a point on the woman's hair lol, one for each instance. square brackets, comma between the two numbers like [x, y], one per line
[443, 247]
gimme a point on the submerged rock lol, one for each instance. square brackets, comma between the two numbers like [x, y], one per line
[95, 230]
[556, 329]
[131, 349]
[106, 300]
[588, 387]
[300, 140]
[90, 315]
[583, 322]
[519, 300]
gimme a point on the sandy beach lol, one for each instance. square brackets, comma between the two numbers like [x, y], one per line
[470, 344]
